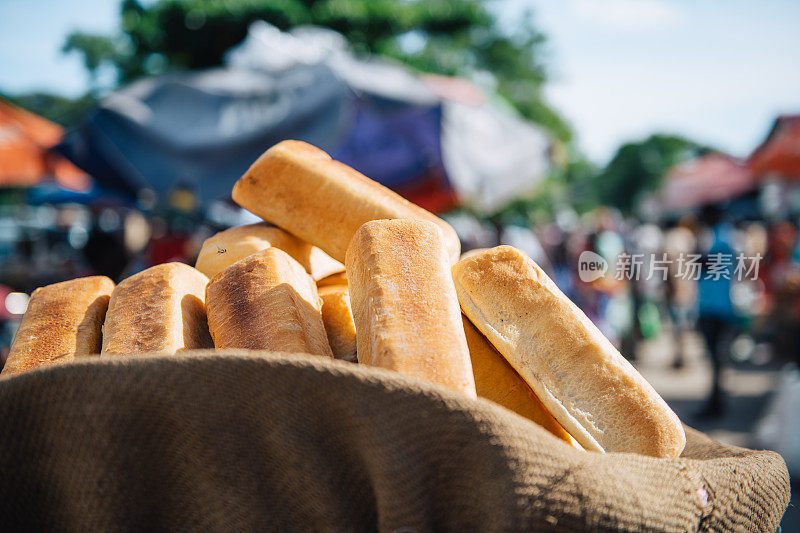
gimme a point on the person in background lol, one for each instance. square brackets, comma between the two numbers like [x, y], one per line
[105, 251]
[680, 291]
[781, 275]
[714, 306]
[614, 300]
[645, 241]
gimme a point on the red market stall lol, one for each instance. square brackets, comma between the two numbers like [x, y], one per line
[25, 155]
[710, 179]
[779, 154]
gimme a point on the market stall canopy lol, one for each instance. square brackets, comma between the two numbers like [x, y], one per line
[25, 155]
[779, 154]
[710, 179]
[437, 141]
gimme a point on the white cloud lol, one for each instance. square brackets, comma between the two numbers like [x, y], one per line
[629, 14]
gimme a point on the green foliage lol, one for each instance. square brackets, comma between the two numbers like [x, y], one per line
[580, 178]
[64, 111]
[639, 167]
[96, 50]
[636, 168]
[451, 37]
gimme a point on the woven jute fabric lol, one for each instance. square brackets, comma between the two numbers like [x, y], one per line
[280, 442]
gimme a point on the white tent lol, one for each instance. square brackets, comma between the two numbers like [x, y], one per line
[490, 154]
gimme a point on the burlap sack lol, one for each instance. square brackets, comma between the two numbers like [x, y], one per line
[226, 442]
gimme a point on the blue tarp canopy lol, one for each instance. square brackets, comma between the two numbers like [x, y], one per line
[202, 130]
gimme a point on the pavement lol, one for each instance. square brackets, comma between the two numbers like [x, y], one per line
[748, 387]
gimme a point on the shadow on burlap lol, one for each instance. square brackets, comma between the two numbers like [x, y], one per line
[220, 442]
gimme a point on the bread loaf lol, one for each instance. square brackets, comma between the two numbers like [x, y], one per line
[63, 321]
[497, 381]
[334, 279]
[321, 265]
[160, 309]
[226, 247]
[470, 253]
[593, 392]
[266, 301]
[301, 189]
[404, 303]
[338, 319]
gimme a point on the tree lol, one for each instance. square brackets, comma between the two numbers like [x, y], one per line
[64, 111]
[638, 167]
[95, 49]
[452, 37]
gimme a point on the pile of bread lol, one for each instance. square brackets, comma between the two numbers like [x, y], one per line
[396, 303]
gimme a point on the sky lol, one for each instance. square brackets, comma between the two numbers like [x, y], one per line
[716, 71]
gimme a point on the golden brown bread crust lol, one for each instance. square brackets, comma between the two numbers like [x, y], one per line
[594, 392]
[63, 321]
[338, 319]
[301, 189]
[497, 381]
[470, 253]
[226, 247]
[404, 303]
[266, 301]
[334, 279]
[160, 309]
[321, 265]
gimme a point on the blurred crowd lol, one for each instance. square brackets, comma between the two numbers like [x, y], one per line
[48, 243]
[735, 283]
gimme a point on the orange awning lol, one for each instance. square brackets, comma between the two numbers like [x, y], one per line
[25, 156]
[779, 155]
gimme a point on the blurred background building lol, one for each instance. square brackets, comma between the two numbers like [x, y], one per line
[508, 118]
